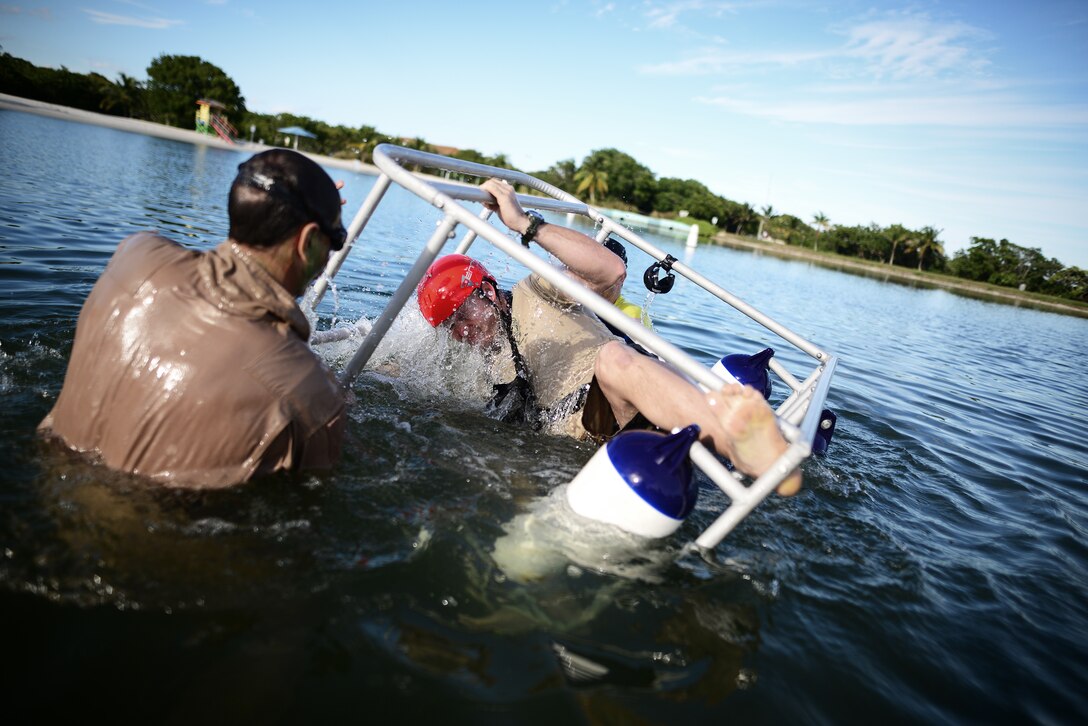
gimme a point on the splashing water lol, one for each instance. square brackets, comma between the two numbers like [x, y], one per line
[646, 309]
[550, 538]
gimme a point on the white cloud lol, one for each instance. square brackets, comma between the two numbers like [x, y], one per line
[666, 15]
[150, 23]
[895, 70]
[713, 61]
[987, 111]
[898, 47]
[914, 46]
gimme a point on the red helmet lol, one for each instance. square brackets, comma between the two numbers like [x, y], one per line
[447, 283]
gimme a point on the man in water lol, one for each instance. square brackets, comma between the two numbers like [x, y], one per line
[193, 368]
[585, 381]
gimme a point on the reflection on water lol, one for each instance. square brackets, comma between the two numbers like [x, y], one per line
[924, 572]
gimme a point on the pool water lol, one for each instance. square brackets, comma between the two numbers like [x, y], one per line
[932, 569]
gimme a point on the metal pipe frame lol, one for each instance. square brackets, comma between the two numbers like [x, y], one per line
[366, 211]
[445, 197]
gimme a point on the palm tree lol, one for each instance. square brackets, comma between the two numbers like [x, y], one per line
[126, 96]
[928, 242]
[767, 212]
[591, 179]
[822, 225]
[897, 235]
[744, 215]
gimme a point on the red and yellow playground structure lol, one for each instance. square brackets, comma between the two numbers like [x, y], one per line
[211, 120]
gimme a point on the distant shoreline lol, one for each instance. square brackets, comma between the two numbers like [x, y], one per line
[150, 128]
[983, 291]
[968, 288]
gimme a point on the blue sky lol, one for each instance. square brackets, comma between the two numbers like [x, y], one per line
[971, 117]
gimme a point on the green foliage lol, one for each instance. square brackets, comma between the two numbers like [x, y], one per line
[477, 157]
[560, 175]
[1004, 263]
[592, 177]
[675, 195]
[627, 180]
[740, 218]
[706, 229]
[126, 97]
[926, 245]
[867, 242]
[175, 82]
[339, 141]
[77, 90]
[899, 238]
[791, 230]
[1068, 282]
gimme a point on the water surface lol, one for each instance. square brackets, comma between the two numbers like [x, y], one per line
[933, 568]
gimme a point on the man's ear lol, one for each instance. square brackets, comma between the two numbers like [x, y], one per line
[305, 239]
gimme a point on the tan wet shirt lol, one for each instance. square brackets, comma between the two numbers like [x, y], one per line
[559, 341]
[193, 368]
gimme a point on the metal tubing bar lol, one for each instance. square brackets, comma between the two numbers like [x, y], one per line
[772, 325]
[800, 407]
[436, 161]
[464, 193]
[726, 480]
[598, 305]
[361, 327]
[431, 191]
[819, 397]
[760, 489]
[814, 390]
[569, 204]
[719, 292]
[400, 297]
[784, 374]
[787, 406]
[470, 236]
[357, 225]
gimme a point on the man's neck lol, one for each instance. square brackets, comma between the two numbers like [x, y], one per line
[276, 261]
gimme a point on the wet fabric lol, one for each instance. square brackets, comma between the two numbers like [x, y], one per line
[631, 310]
[559, 341]
[193, 368]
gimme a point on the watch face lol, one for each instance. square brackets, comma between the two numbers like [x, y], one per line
[534, 213]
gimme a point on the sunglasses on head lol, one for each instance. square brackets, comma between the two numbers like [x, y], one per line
[337, 235]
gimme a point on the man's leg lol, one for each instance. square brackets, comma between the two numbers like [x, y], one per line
[736, 422]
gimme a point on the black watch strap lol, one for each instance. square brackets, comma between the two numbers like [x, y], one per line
[535, 220]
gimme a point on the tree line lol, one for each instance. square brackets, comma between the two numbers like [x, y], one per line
[606, 177]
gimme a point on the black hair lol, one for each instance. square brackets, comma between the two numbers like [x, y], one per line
[278, 191]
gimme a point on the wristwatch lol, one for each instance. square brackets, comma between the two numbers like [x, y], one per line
[535, 220]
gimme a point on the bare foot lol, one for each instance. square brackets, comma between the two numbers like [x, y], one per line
[753, 441]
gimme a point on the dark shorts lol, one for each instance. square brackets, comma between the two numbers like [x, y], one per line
[598, 419]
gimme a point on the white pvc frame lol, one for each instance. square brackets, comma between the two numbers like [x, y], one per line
[798, 416]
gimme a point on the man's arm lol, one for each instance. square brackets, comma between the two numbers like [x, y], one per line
[590, 262]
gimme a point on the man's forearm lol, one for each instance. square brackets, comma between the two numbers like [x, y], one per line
[592, 262]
